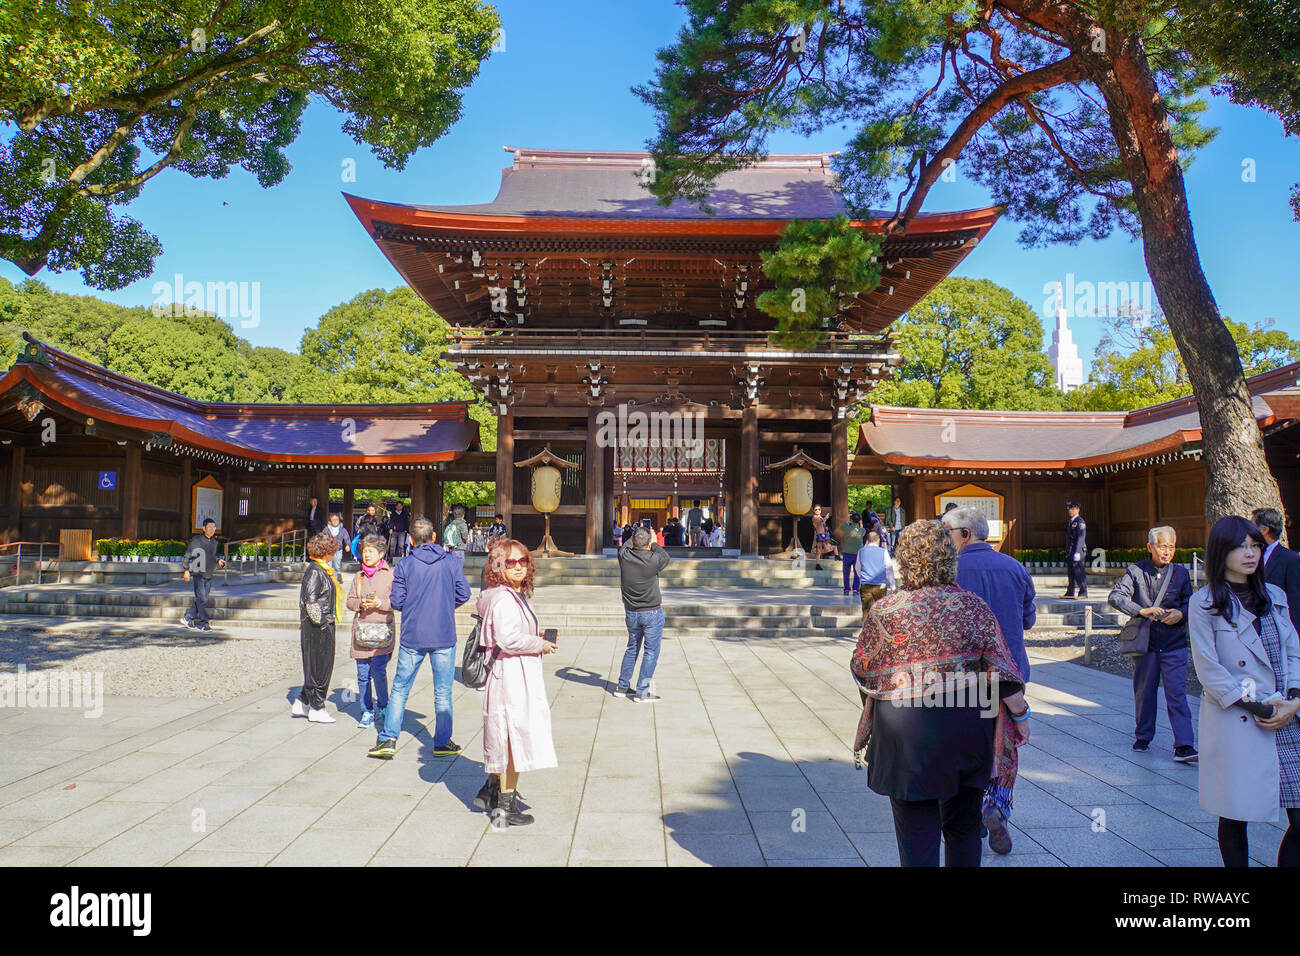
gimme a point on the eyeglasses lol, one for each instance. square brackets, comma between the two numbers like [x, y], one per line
[515, 562]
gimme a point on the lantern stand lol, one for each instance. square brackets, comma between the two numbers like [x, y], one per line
[546, 460]
[796, 463]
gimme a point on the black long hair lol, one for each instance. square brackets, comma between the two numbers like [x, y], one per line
[1227, 534]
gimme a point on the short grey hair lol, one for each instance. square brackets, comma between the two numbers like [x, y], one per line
[971, 519]
[1269, 518]
[1164, 531]
[640, 538]
[421, 531]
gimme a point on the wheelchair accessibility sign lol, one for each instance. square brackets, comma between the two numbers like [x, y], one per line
[108, 481]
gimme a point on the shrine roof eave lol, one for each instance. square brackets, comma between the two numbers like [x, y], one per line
[372, 212]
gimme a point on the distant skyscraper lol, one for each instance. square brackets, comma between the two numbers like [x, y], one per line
[1063, 353]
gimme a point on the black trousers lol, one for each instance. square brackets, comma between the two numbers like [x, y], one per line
[919, 823]
[1078, 572]
[317, 663]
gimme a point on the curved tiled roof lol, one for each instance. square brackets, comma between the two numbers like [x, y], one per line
[268, 432]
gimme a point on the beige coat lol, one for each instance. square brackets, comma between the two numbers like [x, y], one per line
[1238, 767]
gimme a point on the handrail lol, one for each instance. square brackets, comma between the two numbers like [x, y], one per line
[289, 538]
[40, 557]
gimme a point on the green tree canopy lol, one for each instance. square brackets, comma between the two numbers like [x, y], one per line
[104, 95]
[970, 344]
[1137, 363]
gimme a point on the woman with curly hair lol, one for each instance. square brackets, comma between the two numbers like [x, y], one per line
[320, 600]
[516, 715]
[945, 707]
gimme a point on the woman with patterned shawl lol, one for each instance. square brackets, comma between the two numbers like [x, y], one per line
[945, 708]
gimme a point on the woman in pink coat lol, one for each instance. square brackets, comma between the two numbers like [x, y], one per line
[516, 715]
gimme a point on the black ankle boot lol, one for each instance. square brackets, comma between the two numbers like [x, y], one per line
[507, 813]
[486, 798]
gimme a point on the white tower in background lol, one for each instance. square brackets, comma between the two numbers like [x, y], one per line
[1063, 353]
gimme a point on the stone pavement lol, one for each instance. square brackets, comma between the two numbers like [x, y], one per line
[744, 762]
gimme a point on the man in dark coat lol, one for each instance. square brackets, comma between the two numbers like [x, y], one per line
[1281, 564]
[399, 526]
[1166, 657]
[200, 562]
[1076, 552]
[317, 516]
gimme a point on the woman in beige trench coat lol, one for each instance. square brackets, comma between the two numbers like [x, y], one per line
[1247, 657]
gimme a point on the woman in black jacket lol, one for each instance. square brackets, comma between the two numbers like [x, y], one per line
[320, 600]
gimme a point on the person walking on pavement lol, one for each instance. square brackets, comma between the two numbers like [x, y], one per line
[640, 562]
[875, 572]
[895, 522]
[1008, 590]
[428, 586]
[852, 537]
[516, 714]
[374, 629]
[399, 528]
[315, 517]
[200, 561]
[1076, 552]
[342, 544]
[1158, 590]
[320, 604]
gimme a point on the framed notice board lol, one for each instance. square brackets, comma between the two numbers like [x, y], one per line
[206, 499]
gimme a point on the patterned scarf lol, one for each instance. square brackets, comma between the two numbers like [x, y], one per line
[339, 605]
[943, 629]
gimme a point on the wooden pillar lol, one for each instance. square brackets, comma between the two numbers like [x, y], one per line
[1016, 509]
[436, 504]
[132, 480]
[1151, 498]
[840, 473]
[15, 494]
[187, 499]
[922, 506]
[505, 470]
[346, 518]
[419, 485]
[749, 481]
[321, 489]
[594, 461]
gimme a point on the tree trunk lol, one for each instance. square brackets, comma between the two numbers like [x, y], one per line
[1238, 479]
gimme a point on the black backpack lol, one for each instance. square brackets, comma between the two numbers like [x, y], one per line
[475, 665]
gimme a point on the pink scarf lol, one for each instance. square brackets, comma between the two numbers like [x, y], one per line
[369, 570]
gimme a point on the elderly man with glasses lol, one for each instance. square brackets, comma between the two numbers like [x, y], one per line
[1008, 590]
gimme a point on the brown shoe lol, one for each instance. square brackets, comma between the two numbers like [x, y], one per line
[999, 835]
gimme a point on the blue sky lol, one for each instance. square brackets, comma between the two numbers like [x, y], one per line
[563, 81]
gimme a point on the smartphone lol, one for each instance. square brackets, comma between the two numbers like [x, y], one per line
[549, 635]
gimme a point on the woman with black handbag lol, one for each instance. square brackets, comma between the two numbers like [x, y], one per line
[374, 629]
[1154, 593]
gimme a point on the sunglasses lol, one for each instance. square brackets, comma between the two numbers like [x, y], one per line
[515, 562]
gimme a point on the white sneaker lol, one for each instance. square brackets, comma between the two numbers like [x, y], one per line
[320, 717]
[298, 709]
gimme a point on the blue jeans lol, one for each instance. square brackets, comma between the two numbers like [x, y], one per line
[202, 588]
[647, 627]
[444, 675]
[337, 561]
[376, 669]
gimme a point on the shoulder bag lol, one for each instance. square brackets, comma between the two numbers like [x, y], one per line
[1135, 638]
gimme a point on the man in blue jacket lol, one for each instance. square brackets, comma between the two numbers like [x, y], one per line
[428, 585]
[1008, 590]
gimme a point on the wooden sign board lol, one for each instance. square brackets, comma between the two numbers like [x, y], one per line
[206, 500]
[988, 503]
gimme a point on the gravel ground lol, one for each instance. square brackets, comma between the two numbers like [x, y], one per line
[199, 666]
[1106, 655]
